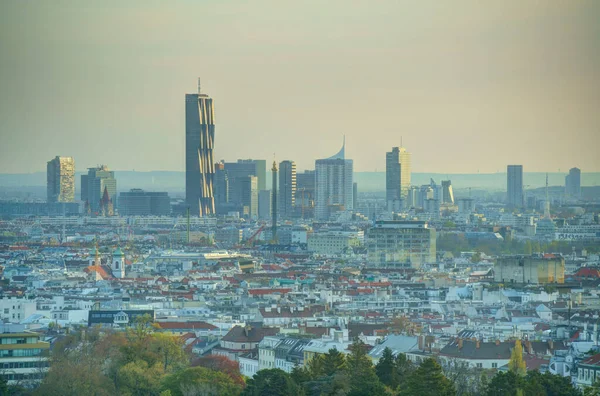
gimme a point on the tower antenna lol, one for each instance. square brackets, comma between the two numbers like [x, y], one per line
[199, 90]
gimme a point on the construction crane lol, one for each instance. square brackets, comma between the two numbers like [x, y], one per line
[250, 241]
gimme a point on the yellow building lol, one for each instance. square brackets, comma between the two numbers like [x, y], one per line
[538, 269]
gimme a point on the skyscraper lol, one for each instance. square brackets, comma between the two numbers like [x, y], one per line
[514, 185]
[334, 181]
[243, 168]
[447, 192]
[274, 202]
[221, 188]
[93, 186]
[60, 177]
[397, 174]
[287, 188]
[199, 144]
[305, 193]
[573, 183]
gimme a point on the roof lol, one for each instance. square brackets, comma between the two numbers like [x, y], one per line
[469, 350]
[249, 333]
[593, 360]
[198, 325]
[118, 252]
[397, 343]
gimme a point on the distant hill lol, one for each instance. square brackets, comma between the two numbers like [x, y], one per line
[174, 181]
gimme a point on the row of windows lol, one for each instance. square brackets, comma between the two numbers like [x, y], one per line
[16, 365]
[587, 375]
[20, 377]
[20, 352]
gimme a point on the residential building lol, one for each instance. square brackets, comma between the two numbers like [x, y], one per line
[514, 186]
[401, 244]
[573, 183]
[588, 371]
[138, 202]
[334, 181]
[286, 193]
[199, 145]
[13, 309]
[241, 339]
[333, 242]
[23, 356]
[60, 176]
[447, 192]
[535, 269]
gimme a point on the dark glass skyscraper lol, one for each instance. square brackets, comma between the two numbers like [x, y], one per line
[199, 144]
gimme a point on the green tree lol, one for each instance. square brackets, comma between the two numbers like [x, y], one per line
[139, 379]
[516, 364]
[404, 368]
[333, 362]
[549, 384]
[362, 377]
[300, 375]
[316, 367]
[200, 381]
[170, 350]
[272, 382]
[505, 384]
[427, 380]
[386, 369]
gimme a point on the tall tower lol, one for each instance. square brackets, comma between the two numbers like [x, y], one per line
[60, 177]
[547, 201]
[287, 188]
[274, 202]
[397, 174]
[573, 183]
[199, 144]
[93, 186]
[333, 182]
[514, 185]
[118, 263]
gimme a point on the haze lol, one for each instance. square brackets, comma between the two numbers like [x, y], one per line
[469, 86]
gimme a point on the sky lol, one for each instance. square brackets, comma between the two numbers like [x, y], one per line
[466, 86]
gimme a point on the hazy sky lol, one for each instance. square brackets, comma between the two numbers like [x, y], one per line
[469, 85]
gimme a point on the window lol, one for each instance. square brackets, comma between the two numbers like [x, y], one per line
[479, 365]
[243, 346]
[494, 365]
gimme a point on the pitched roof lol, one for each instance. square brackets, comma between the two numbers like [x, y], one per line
[249, 333]
[593, 360]
[198, 325]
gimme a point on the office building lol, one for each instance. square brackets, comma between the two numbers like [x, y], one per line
[305, 194]
[466, 205]
[247, 190]
[355, 195]
[264, 204]
[401, 244]
[397, 174]
[23, 355]
[60, 177]
[334, 181]
[221, 188]
[138, 202]
[241, 169]
[447, 193]
[96, 182]
[286, 193]
[199, 145]
[537, 269]
[573, 183]
[514, 186]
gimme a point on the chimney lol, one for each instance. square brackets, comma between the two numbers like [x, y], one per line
[477, 344]
[460, 343]
[497, 342]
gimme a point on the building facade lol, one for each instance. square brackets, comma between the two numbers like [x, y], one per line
[138, 202]
[447, 192]
[573, 183]
[96, 182]
[401, 244]
[514, 185]
[199, 145]
[287, 189]
[305, 194]
[538, 269]
[334, 181]
[60, 178]
[23, 356]
[397, 174]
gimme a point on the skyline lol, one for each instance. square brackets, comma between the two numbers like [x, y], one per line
[525, 74]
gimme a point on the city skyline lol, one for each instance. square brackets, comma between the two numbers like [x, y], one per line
[495, 93]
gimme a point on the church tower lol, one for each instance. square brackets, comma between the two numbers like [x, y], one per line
[118, 263]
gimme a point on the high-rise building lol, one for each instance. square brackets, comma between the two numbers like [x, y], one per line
[355, 195]
[334, 180]
[401, 244]
[248, 192]
[287, 189]
[447, 193]
[199, 144]
[573, 183]
[305, 194]
[138, 202]
[397, 174]
[60, 176]
[243, 168]
[264, 204]
[514, 185]
[221, 187]
[94, 184]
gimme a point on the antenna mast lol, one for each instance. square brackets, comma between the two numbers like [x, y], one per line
[199, 90]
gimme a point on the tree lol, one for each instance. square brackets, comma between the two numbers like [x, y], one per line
[139, 379]
[272, 382]
[404, 368]
[428, 379]
[315, 367]
[549, 384]
[200, 381]
[516, 364]
[333, 362]
[170, 350]
[505, 384]
[386, 369]
[361, 373]
[223, 365]
[301, 375]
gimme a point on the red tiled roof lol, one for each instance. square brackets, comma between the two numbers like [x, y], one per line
[186, 326]
[593, 360]
[263, 292]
